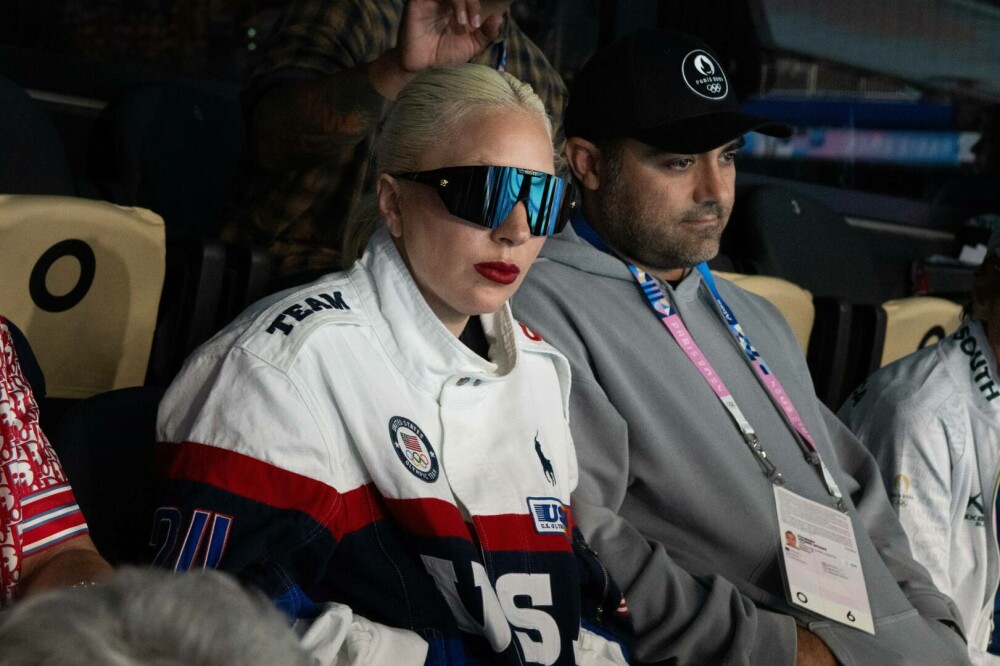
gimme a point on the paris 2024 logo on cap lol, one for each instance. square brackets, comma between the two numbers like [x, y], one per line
[704, 76]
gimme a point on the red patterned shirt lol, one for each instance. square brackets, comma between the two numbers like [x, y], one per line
[37, 506]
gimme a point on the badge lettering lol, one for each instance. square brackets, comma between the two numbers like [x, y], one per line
[970, 347]
[974, 510]
[549, 515]
[195, 547]
[503, 606]
[413, 448]
[299, 311]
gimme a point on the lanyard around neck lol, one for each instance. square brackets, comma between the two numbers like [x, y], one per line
[675, 326]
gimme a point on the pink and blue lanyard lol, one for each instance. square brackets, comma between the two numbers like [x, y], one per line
[675, 325]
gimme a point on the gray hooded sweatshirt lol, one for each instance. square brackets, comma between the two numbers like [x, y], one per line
[673, 500]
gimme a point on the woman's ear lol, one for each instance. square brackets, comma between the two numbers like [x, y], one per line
[388, 204]
[583, 158]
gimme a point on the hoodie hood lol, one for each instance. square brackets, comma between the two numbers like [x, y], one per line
[569, 249]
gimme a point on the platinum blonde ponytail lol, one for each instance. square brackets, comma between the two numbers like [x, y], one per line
[426, 113]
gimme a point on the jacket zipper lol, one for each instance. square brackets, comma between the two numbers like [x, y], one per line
[607, 581]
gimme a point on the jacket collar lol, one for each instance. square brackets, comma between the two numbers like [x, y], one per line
[578, 246]
[416, 340]
[970, 359]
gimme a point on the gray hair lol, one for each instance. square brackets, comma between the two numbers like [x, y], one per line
[425, 114]
[149, 617]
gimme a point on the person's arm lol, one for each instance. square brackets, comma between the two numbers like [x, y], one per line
[52, 548]
[677, 616]
[300, 123]
[71, 563]
[883, 525]
[249, 486]
[914, 460]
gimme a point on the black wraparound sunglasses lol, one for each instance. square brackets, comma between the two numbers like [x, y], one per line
[485, 195]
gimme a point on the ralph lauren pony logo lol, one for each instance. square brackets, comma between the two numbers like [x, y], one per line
[546, 463]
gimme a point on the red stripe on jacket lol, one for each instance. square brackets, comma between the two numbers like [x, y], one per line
[346, 512]
[243, 475]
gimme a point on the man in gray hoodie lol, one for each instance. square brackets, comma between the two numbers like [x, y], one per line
[699, 437]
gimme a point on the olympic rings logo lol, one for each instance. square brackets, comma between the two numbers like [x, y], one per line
[417, 458]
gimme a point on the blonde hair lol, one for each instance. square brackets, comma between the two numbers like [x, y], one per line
[427, 112]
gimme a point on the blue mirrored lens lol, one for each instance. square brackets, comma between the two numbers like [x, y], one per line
[541, 193]
[486, 195]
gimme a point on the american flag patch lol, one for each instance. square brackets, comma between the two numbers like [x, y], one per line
[413, 449]
[412, 442]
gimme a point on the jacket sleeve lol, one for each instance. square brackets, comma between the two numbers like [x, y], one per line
[248, 485]
[678, 618]
[606, 633]
[37, 507]
[338, 637]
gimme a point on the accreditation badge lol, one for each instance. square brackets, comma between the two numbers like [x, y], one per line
[822, 565]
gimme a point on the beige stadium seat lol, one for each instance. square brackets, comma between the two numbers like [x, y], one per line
[792, 301]
[82, 279]
[913, 323]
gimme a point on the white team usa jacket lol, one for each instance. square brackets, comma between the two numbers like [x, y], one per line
[336, 444]
[932, 420]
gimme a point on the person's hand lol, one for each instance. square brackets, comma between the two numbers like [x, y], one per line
[810, 650]
[435, 32]
[445, 32]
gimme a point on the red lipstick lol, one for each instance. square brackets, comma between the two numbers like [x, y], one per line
[498, 271]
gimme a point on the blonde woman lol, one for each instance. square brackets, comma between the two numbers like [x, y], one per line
[387, 444]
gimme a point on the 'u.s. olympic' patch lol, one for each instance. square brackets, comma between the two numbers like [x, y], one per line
[413, 449]
[548, 514]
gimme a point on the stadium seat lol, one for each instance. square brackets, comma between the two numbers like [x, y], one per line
[82, 279]
[821, 325]
[780, 232]
[914, 323]
[190, 306]
[881, 334]
[829, 349]
[32, 156]
[247, 278]
[176, 152]
[792, 301]
[106, 446]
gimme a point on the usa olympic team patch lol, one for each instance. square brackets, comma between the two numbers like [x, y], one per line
[413, 448]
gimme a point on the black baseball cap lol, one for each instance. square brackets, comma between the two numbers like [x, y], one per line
[663, 88]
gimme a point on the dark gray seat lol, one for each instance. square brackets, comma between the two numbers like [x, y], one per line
[106, 446]
[32, 156]
[784, 233]
[176, 152]
[781, 232]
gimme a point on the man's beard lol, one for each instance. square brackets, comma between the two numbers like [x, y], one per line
[655, 243]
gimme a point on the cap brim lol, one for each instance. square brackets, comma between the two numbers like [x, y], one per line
[705, 133]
